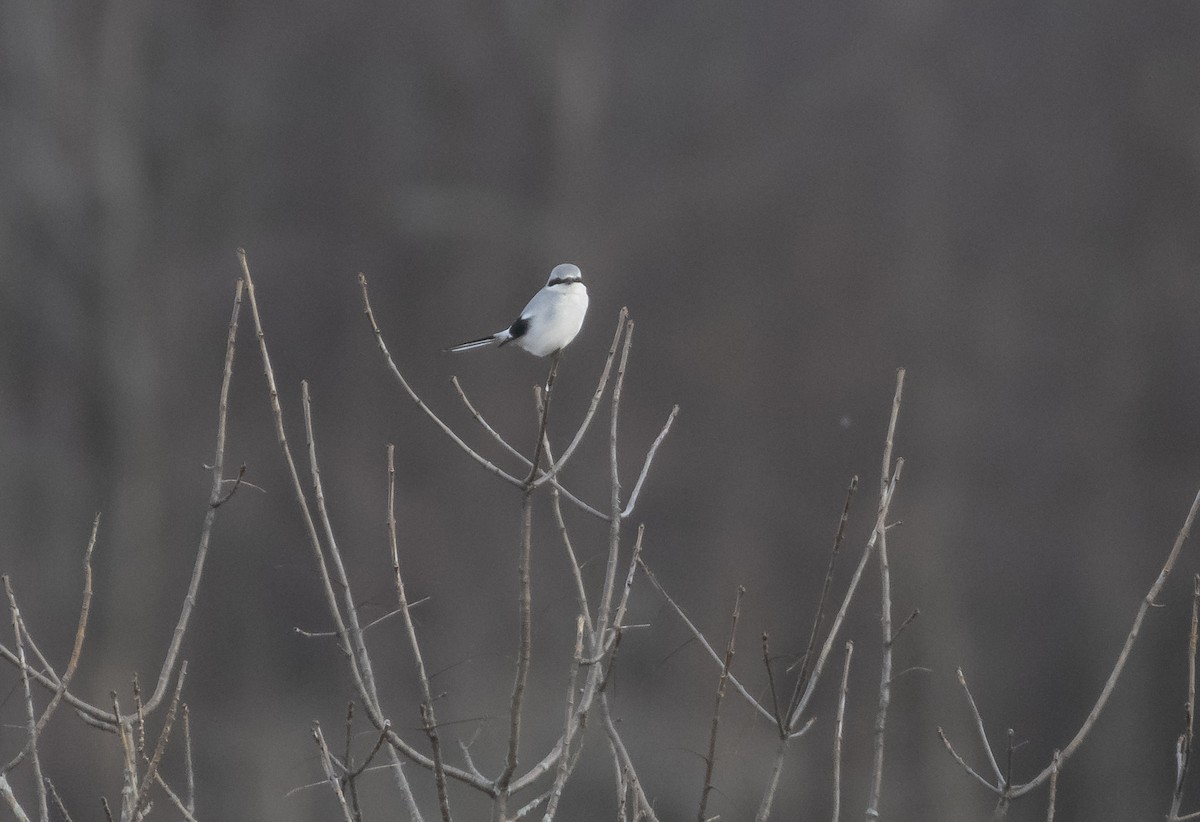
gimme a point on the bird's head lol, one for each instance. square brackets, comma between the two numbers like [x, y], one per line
[565, 273]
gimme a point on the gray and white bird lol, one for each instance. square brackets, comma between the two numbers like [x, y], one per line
[550, 321]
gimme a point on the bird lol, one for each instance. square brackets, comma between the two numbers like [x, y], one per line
[551, 319]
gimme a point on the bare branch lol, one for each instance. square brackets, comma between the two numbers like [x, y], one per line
[710, 760]
[189, 773]
[446, 429]
[1053, 787]
[644, 809]
[72, 663]
[637, 487]
[10, 799]
[215, 499]
[569, 726]
[962, 762]
[837, 734]
[141, 804]
[907, 621]
[806, 661]
[741, 689]
[885, 503]
[327, 765]
[58, 803]
[544, 414]
[1123, 657]
[185, 811]
[983, 738]
[1183, 747]
[31, 724]
[428, 718]
[98, 715]
[764, 807]
[366, 689]
[766, 657]
[583, 506]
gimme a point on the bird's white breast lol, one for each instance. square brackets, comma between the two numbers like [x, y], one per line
[556, 315]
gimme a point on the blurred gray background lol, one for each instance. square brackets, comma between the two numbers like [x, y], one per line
[792, 199]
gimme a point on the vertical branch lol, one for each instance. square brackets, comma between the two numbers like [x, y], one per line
[31, 724]
[189, 774]
[603, 613]
[364, 687]
[330, 774]
[216, 498]
[643, 808]
[545, 416]
[885, 619]
[58, 803]
[72, 663]
[837, 735]
[764, 807]
[524, 649]
[141, 805]
[1183, 746]
[428, 718]
[569, 725]
[710, 761]
[885, 676]
[1053, 788]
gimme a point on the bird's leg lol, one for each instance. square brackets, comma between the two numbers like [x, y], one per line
[537, 451]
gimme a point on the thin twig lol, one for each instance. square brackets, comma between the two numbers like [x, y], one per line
[31, 723]
[983, 738]
[428, 718]
[1183, 747]
[766, 657]
[819, 617]
[885, 619]
[76, 649]
[58, 803]
[366, 689]
[962, 762]
[446, 429]
[837, 734]
[741, 689]
[583, 506]
[189, 774]
[569, 725]
[644, 809]
[327, 765]
[215, 499]
[1122, 658]
[97, 715]
[885, 503]
[165, 734]
[710, 760]
[637, 486]
[186, 812]
[524, 648]
[544, 414]
[907, 621]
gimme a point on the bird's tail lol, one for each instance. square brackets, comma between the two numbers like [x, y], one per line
[482, 341]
